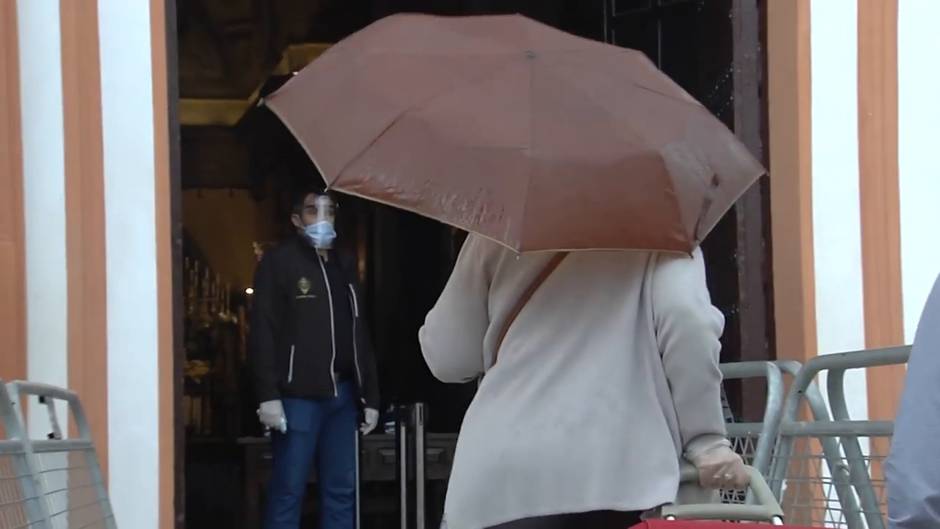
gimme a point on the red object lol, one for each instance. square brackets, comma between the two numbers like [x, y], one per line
[689, 524]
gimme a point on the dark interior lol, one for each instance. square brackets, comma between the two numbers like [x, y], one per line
[239, 171]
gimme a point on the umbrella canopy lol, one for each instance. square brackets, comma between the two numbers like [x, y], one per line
[527, 135]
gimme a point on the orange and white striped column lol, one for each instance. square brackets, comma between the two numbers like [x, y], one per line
[855, 189]
[85, 234]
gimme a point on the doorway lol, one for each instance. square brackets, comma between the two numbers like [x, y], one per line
[239, 168]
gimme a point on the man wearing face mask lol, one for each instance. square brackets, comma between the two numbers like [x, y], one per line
[313, 368]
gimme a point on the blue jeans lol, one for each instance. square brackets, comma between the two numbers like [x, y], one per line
[323, 431]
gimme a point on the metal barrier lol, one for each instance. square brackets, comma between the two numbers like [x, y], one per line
[65, 473]
[820, 470]
[412, 469]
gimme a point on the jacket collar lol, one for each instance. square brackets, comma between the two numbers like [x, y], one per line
[304, 246]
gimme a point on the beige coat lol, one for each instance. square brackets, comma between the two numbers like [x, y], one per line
[607, 376]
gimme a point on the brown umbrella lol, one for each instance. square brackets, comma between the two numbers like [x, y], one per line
[506, 127]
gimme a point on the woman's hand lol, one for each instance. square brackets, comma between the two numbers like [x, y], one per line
[721, 468]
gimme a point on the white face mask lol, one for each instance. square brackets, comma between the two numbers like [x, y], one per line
[321, 234]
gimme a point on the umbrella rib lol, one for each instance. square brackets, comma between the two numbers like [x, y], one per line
[528, 183]
[448, 53]
[693, 103]
[401, 115]
[303, 145]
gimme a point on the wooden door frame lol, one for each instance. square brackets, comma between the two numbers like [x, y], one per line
[754, 245]
[176, 232]
[750, 332]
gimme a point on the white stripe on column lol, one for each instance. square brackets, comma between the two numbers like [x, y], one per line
[43, 198]
[919, 165]
[840, 319]
[127, 120]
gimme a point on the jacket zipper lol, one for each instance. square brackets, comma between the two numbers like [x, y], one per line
[290, 366]
[329, 295]
[355, 307]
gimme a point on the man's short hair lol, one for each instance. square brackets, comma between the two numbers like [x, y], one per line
[297, 200]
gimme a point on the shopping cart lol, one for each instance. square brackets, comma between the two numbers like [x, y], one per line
[763, 511]
[826, 471]
[56, 482]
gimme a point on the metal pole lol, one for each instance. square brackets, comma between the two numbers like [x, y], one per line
[859, 472]
[418, 413]
[403, 466]
[358, 482]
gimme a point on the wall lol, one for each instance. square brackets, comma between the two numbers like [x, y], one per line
[854, 183]
[837, 237]
[222, 224]
[918, 116]
[43, 196]
[126, 82]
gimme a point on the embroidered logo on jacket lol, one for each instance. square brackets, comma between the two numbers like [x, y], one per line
[303, 285]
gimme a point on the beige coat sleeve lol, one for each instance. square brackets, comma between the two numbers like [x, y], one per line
[688, 328]
[453, 332]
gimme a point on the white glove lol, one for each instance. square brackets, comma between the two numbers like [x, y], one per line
[371, 417]
[271, 415]
[720, 468]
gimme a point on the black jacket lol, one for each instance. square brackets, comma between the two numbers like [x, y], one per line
[292, 345]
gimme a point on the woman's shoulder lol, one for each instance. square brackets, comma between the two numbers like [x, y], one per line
[485, 252]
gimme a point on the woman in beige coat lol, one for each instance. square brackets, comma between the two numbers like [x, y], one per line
[606, 379]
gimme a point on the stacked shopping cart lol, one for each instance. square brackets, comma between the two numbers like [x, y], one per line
[823, 466]
[813, 464]
[827, 467]
[53, 482]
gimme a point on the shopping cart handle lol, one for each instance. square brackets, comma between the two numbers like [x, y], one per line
[688, 474]
[765, 509]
